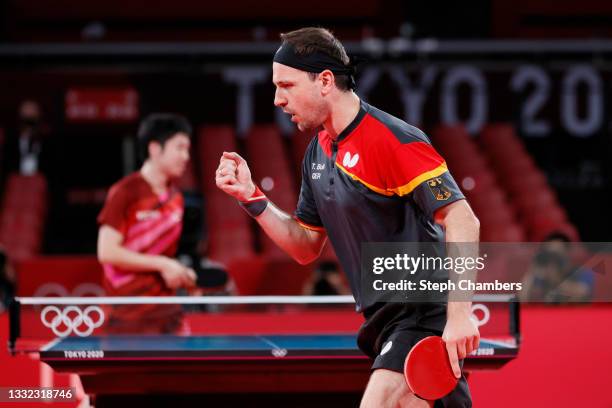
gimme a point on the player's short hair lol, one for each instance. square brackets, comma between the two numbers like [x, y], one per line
[309, 40]
[159, 127]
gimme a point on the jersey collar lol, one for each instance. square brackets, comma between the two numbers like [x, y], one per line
[349, 129]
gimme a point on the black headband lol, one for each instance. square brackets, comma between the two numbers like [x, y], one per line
[315, 62]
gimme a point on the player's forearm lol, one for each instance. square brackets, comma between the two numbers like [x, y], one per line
[129, 260]
[301, 244]
[462, 230]
[459, 310]
[462, 227]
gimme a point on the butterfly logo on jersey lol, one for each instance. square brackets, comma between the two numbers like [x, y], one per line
[349, 161]
[438, 189]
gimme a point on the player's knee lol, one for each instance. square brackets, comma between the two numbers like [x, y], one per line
[387, 389]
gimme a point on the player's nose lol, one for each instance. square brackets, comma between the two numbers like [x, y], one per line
[278, 100]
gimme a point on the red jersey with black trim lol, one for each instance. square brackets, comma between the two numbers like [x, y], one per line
[150, 224]
[380, 180]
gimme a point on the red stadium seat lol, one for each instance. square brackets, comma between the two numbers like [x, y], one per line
[25, 202]
[230, 245]
[248, 274]
[526, 182]
[23, 215]
[495, 216]
[224, 209]
[285, 277]
[188, 181]
[491, 199]
[502, 146]
[531, 196]
[555, 214]
[466, 164]
[447, 134]
[20, 223]
[17, 251]
[513, 166]
[506, 152]
[534, 201]
[545, 227]
[495, 134]
[271, 171]
[503, 233]
[212, 142]
[453, 142]
[229, 229]
[472, 183]
[465, 161]
[33, 183]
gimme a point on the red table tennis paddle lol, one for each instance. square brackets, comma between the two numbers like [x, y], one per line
[428, 370]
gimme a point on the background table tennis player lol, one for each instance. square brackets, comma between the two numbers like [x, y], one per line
[280, 365]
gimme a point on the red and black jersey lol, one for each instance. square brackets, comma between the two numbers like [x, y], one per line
[379, 181]
[150, 224]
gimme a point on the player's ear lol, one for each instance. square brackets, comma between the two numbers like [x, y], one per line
[155, 149]
[328, 81]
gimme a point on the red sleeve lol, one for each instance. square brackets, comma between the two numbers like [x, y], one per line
[115, 210]
[412, 164]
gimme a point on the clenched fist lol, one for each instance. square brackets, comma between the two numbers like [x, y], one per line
[234, 177]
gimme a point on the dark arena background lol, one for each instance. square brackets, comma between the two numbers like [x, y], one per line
[515, 95]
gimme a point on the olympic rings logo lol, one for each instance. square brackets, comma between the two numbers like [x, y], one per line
[279, 352]
[72, 319]
[486, 314]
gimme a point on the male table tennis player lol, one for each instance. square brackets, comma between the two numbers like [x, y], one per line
[140, 226]
[367, 177]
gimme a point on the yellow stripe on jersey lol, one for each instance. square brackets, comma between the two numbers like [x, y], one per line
[370, 186]
[412, 184]
[401, 190]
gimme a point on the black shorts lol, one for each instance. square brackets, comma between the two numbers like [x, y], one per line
[391, 330]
